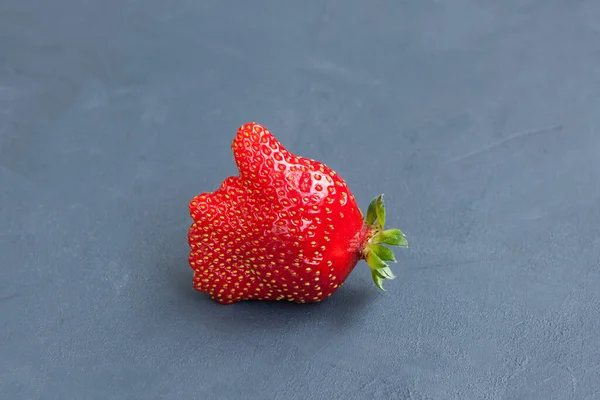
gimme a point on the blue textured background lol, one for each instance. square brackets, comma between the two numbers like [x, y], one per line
[479, 120]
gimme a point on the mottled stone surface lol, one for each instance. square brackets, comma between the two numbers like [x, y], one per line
[479, 120]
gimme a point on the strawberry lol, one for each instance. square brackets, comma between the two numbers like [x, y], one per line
[286, 228]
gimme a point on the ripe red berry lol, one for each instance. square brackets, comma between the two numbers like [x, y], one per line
[286, 228]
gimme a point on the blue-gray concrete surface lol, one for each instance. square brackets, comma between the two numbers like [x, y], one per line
[479, 120]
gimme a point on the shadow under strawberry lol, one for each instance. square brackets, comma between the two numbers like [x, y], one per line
[288, 324]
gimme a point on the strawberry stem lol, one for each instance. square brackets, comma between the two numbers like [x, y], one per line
[375, 254]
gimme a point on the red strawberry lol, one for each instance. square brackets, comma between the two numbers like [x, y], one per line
[286, 228]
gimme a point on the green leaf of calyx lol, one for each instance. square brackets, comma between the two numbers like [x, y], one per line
[382, 252]
[385, 273]
[393, 237]
[371, 212]
[377, 279]
[380, 211]
[380, 270]
[374, 261]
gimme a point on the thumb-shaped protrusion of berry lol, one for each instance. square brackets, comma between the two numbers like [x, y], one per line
[255, 149]
[375, 254]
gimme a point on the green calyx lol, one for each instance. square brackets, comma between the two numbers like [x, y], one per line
[375, 254]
